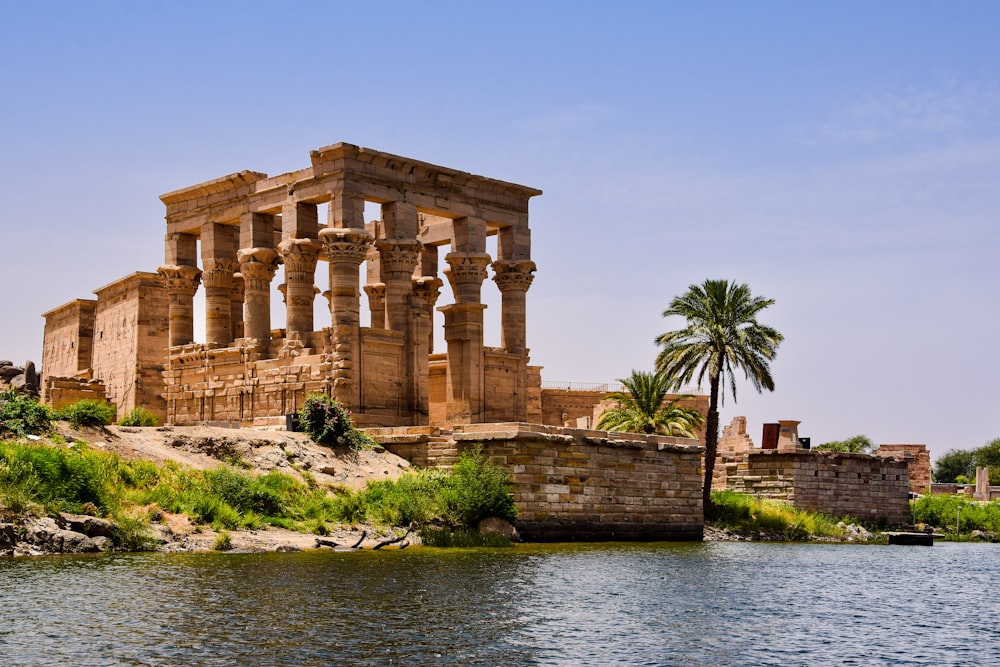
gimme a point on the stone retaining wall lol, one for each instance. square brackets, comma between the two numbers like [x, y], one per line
[577, 485]
[871, 488]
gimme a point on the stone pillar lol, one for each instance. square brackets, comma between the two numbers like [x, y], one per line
[257, 266]
[218, 281]
[398, 258]
[788, 435]
[345, 250]
[181, 283]
[513, 279]
[376, 304]
[463, 331]
[426, 290]
[236, 305]
[300, 256]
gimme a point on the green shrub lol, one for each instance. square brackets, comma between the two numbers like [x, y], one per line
[223, 541]
[478, 488]
[139, 416]
[940, 511]
[21, 415]
[742, 512]
[327, 422]
[89, 412]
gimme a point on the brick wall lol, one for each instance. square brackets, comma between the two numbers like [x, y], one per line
[574, 484]
[870, 488]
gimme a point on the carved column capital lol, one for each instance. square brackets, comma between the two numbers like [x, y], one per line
[345, 244]
[300, 254]
[399, 257]
[219, 273]
[426, 290]
[466, 268]
[375, 292]
[513, 276]
[181, 280]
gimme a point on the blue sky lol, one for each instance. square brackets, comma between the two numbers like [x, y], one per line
[842, 158]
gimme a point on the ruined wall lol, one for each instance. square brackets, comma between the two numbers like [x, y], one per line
[565, 406]
[68, 339]
[578, 485]
[870, 488]
[917, 458]
[734, 444]
[60, 392]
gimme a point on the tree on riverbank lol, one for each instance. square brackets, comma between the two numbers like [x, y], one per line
[959, 465]
[721, 336]
[643, 408]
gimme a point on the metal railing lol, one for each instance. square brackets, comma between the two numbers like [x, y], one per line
[606, 387]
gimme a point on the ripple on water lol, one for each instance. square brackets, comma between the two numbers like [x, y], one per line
[662, 604]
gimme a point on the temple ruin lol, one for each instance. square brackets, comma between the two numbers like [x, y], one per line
[229, 237]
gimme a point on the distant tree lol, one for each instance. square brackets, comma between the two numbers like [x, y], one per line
[721, 336]
[643, 408]
[859, 444]
[953, 464]
[988, 456]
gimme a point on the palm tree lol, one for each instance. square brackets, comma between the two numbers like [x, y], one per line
[721, 336]
[643, 408]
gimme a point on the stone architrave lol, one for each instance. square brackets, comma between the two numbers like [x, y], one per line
[300, 257]
[182, 284]
[257, 266]
[345, 249]
[513, 278]
[218, 280]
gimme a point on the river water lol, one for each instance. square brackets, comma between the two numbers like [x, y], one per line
[608, 604]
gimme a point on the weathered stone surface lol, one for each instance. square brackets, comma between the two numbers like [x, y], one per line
[497, 526]
[91, 526]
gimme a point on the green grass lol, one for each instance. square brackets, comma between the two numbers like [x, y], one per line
[38, 478]
[941, 513]
[745, 513]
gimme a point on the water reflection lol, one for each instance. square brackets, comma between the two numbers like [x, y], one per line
[688, 604]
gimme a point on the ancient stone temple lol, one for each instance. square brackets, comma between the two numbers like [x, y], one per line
[234, 236]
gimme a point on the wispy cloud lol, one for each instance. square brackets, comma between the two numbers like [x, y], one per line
[574, 118]
[950, 108]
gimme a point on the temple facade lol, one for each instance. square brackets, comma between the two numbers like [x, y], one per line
[233, 237]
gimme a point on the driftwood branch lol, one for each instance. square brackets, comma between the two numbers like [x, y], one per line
[393, 540]
[357, 545]
[320, 542]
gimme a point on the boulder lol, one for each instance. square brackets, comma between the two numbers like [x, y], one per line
[496, 526]
[8, 372]
[91, 526]
[31, 378]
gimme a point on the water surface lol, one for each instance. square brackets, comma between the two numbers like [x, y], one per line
[608, 604]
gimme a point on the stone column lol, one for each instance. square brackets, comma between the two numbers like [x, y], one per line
[236, 305]
[181, 283]
[257, 266]
[345, 250]
[218, 280]
[513, 279]
[398, 258]
[426, 290]
[463, 331]
[376, 304]
[299, 256]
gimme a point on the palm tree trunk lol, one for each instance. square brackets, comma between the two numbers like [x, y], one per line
[711, 440]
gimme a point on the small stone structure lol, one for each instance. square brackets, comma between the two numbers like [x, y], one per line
[575, 484]
[870, 487]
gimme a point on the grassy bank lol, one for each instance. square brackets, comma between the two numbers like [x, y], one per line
[979, 520]
[42, 479]
[749, 516]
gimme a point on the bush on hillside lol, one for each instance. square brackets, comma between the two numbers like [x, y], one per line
[22, 415]
[327, 422]
[139, 416]
[89, 412]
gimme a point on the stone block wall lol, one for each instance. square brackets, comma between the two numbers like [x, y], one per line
[917, 458]
[578, 485]
[870, 488]
[60, 392]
